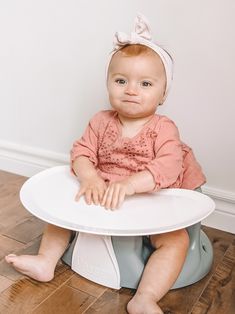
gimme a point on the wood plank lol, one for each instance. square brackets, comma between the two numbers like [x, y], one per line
[87, 286]
[12, 214]
[6, 177]
[65, 300]
[26, 294]
[5, 283]
[26, 231]
[11, 189]
[8, 246]
[219, 295]
[11, 209]
[111, 301]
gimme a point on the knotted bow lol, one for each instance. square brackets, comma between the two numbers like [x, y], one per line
[141, 33]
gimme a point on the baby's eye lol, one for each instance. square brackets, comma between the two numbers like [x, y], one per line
[120, 81]
[146, 84]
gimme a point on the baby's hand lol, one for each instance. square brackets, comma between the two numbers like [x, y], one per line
[93, 190]
[115, 194]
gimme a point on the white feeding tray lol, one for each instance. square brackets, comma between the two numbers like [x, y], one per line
[50, 194]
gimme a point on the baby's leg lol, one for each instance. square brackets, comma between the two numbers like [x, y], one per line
[42, 266]
[161, 271]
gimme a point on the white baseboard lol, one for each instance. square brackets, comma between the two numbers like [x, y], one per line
[27, 161]
[223, 217]
[221, 220]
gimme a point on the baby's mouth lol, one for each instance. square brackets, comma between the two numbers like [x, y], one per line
[131, 101]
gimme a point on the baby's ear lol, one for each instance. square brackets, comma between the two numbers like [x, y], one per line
[163, 99]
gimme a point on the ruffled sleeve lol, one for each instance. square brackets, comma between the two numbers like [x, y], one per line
[87, 145]
[167, 166]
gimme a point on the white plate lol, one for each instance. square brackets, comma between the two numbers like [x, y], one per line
[50, 195]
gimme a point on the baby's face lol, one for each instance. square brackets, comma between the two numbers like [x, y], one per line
[136, 84]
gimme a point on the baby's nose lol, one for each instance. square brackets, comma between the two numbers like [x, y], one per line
[131, 89]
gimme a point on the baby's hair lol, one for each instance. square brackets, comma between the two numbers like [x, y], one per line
[132, 50]
[135, 50]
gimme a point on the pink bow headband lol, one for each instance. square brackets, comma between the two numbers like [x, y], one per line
[142, 35]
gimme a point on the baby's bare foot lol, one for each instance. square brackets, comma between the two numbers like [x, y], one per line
[143, 304]
[38, 267]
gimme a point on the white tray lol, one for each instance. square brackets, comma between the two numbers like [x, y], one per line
[50, 195]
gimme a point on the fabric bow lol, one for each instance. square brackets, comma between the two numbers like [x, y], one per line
[141, 32]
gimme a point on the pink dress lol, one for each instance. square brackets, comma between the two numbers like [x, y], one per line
[156, 148]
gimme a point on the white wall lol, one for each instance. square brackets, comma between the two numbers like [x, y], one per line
[52, 61]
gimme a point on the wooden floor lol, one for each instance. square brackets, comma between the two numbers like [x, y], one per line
[69, 293]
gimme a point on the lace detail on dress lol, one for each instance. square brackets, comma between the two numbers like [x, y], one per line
[123, 156]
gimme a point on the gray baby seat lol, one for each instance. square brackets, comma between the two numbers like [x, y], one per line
[132, 253]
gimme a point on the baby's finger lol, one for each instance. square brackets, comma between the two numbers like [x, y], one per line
[108, 198]
[79, 194]
[101, 192]
[115, 197]
[104, 197]
[88, 196]
[121, 198]
[95, 197]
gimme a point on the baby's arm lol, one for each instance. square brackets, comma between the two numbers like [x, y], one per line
[92, 186]
[137, 183]
[142, 181]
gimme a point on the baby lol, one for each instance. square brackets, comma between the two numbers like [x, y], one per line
[127, 150]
